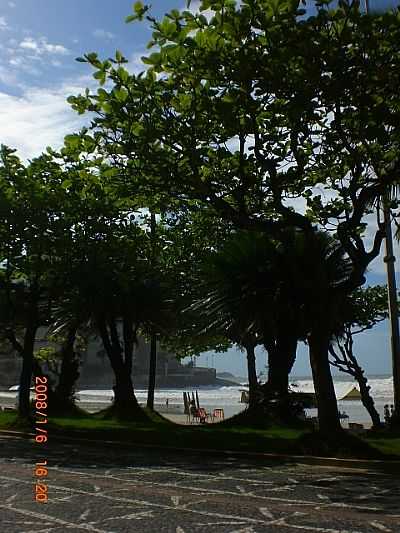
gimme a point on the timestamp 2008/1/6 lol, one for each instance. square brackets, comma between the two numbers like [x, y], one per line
[41, 437]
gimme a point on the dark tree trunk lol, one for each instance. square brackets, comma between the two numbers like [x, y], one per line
[366, 397]
[124, 395]
[26, 372]
[328, 414]
[52, 400]
[348, 363]
[281, 357]
[368, 403]
[252, 374]
[129, 341]
[69, 371]
[289, 348]
[125, 401]
[152, 371]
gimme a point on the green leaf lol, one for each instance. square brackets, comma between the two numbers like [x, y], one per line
[100, 75]
[119, 57]
[138, 7]
[102, 94]
[121, 95]
[66, 184]
[123, 74]
[153, 59]
[107, 107]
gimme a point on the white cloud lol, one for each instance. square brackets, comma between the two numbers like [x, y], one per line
[38, 118]
[195, 9]
[103, 34]
[12, 4]
[136, 64]
[41, 46]
[3, 24]
[7, 77]
[194, 6]
[20, 63]
[28, 55]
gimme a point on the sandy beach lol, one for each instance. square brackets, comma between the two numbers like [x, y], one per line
[169, 402]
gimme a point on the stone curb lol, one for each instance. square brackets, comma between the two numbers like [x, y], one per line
[392, 467]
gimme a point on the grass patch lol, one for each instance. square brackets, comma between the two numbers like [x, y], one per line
[389, 447]
[386, 441]
[154, 429]
[157, 430]
[7, 419]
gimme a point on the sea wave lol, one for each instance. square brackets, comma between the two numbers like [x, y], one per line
[381, 389]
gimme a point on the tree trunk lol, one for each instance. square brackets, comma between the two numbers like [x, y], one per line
[289, 348]
[124, 395]
[348, 363]
[367, 399]
[328, 414]
[69, 371]
[129, 341]
[252, 374]
[152, 371]
[281, 357]
[125, 401]
[26, 372]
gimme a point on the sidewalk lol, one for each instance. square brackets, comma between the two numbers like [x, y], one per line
[389, 467]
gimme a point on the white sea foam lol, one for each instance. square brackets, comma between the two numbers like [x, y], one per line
[381, 389]
[228, 398]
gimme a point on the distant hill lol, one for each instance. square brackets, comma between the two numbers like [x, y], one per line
[231, 377]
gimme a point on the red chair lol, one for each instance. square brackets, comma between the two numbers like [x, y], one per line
[218, 413]
[202, 415]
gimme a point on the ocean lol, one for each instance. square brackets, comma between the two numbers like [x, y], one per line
[228, 398]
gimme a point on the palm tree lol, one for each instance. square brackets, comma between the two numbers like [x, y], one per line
[240, 297]
[281, 292]
[316, 271]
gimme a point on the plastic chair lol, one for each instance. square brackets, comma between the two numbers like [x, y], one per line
[218, 413]
[202, 415]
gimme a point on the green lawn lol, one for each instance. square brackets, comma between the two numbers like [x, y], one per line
[161, 432]
[388, 443]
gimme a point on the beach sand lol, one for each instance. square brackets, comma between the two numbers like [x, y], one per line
[94, 401]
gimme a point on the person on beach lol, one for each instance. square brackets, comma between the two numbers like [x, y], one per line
[193, 408]
[386, 414]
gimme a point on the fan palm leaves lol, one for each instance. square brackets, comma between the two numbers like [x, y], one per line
[255, 288]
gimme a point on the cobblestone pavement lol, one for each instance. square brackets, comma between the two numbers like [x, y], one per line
[109, 490]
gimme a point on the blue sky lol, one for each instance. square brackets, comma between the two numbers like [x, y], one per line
[39, 41]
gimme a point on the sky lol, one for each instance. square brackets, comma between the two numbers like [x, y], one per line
[39, 41]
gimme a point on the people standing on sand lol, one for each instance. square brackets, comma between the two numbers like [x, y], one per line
[193, 408]
[386, 414]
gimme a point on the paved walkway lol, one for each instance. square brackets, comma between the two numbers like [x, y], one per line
[109, 490]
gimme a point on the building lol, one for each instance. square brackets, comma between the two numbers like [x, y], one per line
[96, 371]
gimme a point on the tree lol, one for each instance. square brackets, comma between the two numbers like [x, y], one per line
[59, 361]
[366, 308]
[110, 288]
[236, 297]
[263, 291]
[285, 119]
[236, 113]
[33, 234]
